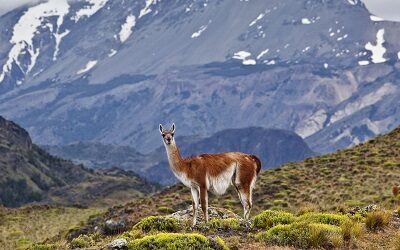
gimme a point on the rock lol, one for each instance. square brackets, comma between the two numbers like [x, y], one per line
[365, 209]
[111, 226]
[118, 244]
[213, 213]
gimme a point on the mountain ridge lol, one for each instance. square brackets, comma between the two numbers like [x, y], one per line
[29, 174]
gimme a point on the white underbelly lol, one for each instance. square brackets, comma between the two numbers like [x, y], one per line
[219, 184]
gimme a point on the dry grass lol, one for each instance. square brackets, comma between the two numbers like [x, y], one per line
[19, 228]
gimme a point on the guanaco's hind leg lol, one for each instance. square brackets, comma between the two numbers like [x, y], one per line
[195, 203]
[204, 202]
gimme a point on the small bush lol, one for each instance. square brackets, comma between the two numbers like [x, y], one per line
[157, 223]
[270, 218]
[377, 220]
[175, 241]
[324, 218]
[224, 224]
[81, 242]
[166, 210]
[325, 236]
[301, 235]
[351, 230]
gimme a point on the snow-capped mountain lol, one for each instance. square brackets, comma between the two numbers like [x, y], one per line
[110, 71]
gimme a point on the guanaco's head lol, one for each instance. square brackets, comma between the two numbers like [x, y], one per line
[168, 134]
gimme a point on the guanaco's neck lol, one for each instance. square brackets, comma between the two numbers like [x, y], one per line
[174, 157]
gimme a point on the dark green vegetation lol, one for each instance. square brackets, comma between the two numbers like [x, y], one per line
[29, 174]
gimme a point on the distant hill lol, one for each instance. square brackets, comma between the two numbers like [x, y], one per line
[273, 146]
[29, 174]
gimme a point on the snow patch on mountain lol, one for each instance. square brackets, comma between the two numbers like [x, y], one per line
[201, 30]
[262, 53]
[126, 28]
[89, 10]
[88, 67]
[363, 102]
[25, 30]
[376, 19]
[146, 10]
[353, 2]
[58, 37]
[363, 63]
[112, 53]
[377, 50]
[259, 17]
[305, 21]
[244, 55]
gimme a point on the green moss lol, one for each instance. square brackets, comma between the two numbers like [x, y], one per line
[81, 242]
[270, 218]
[176, 241]
[157, 223]
[324, 218]
[301, 235]
[224, 224]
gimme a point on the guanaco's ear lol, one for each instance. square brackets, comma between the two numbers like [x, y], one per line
[173, 128]
[161, 129]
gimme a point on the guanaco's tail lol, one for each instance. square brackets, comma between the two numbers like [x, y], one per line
[258, 162]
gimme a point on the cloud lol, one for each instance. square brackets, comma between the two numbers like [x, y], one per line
[387, 9]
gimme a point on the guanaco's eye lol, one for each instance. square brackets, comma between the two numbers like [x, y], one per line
[163, 135]
[172, 134]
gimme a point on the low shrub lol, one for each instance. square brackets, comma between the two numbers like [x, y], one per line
[351, 230]
[270, 218]
[324, 218]
[224, 224]
[377, 220]
[302, 235]
[157, 223]
[166, 210]
[83, 241]
[175, 241]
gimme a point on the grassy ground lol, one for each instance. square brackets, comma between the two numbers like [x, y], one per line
[19, 228]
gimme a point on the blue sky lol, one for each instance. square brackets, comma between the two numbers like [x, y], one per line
[387, 9]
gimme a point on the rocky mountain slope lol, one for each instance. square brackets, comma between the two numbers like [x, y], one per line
[98, 70]
[29, 174]
[274, 147]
